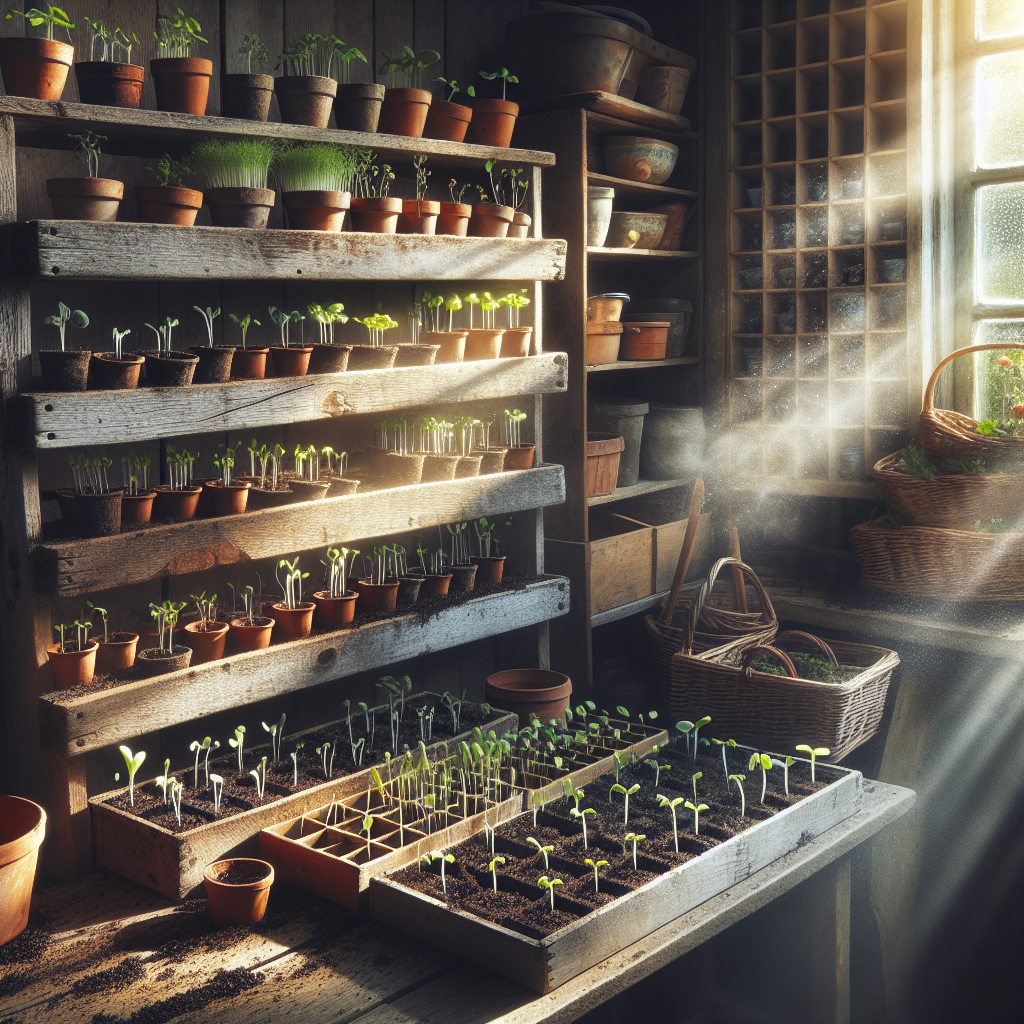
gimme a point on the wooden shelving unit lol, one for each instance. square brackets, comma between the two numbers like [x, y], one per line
[637, 489]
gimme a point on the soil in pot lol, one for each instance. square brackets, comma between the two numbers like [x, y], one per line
[249, 364]
[357, 106]
[64, 371]
[322, 210]
[182, 83]
[453, 219]
[239, 207]
[291, 362]
[22, 828]
[246, 97]
[490, 220]
[529, 691]
[99, 515]
[72, 667]
[227, 500]
[451, 345]
[214, 364]
[108, 373]
[482, 344]
[306, 99]
[447, 121]
[515, 342]
[254, 636]
[117, 652]
[335, 612]
[377, 597]
[489, 568]
[463, 579]
[520, 226]
[416, 355]
[156, 661]
[110, 84]
[294, 623]
[137, 508]
[238, 890]
[35, 68]
[167, 204]
[85, 198]
[329, 358]
[404, 112]
[373, 357]
[520, 456]
[379, 216]
[207, 645]
[178, 505]
[169, 369]
[493, 123]
[418, 217]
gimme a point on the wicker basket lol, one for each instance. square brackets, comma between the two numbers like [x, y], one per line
[946, 565]
[952, 435]
[954, 501]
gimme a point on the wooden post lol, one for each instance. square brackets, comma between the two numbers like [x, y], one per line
[829, 892]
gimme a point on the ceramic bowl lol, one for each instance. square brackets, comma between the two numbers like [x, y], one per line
[634, 158]
[651, 227]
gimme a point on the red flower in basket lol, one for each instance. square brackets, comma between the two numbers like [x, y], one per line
[1018, 411]
[1003, 360]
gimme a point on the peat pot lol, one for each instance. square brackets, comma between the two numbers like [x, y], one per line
[306, 99]
[482, 344]
[22, 828]
[64, 371]
[373, 357]
[35, 68]
[108, 373]
[451, 345]
[240, 207]
[99, 515]
[599, 214]
[673, 441]
[238, 890]
[214, 363]
[463, 578]
[416, 355]
[627, 419]
[156, 661]
[109, 83]
[515, 342]
[246, 97]
[169, 369]
[357, 106]
[182, 83]
[528, 691]
[329, 358]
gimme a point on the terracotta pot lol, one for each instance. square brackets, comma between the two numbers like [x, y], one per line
[447, 121]
[418, 217]
[452, 345]
[73, 668]
[36, 68]
[239, 207]
[341, 486]
[603, 340]
[435, 585]
[416, 355]
[260, 498]
[308, 490]
[492, 460]
[182, 83]
[249, 364]
[168, 204]
[404, 112]
[357, 107]
[390, 469]
[238, 904]
[453, 219]
[493, 123]
[463, 579]
[335, 612]
[645, 340]
[379, 216]
[214, 363]
[117, 653]
[169, 370]
[329, 359]
[291, 362]
[520, 227]
[64, 371]
[99, 515]
[372, 357]
[515, 342]
[170, 504]
[520, 457]
[108, 373]
[439, 467]
[529, 691]
[316, 210]
[377, 597]
[306, 99]
[22, 828]
[85, 198]
[294, 623]
[227, 501]
[481, 344]
[489, 568]
[206, 646]
[110, 84]
[408, 590]
[469, 466]
[490, 220]
[137, 508]
[246, 97]
[252, 638]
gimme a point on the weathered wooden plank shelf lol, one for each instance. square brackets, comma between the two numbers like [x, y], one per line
[68, 567]
[639, 189]
[635, 490]
[643, 364]
[80, 724]
[601, 252]
[95, 251]
[47, 125]
[68, 419]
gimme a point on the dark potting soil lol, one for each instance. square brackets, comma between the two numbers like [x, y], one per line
[113, 979]
[243, 874]
[523, 906]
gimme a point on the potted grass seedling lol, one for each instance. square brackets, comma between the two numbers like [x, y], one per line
[166, 368]
[97, 504]
[247, 95]
[327, 357]
[235, 176]
[248, 363]
[179, 497]
[37, 66]
[315, 180]
[182, 82]
[168, 201]
[116, 651]
[138, 497]
[453, 217]
[494, 120]
[405, 106]
[73, 659]
[445, 119]
[419, 215]
[293, 615]
[108, 77]
[238, 890]
[206, 636]
[515, 342]
[289, 360]
[336, 605]
[306, 90]
[488, 562]
[520, 455]
[485, 342]
[229, 496]
[375, 355]
[251, 632]
[372, 209]
[452, 342]
[214, 361]
[63, 369]
[166, 656]
[87, 197]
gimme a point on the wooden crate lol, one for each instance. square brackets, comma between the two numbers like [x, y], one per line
[621, 554]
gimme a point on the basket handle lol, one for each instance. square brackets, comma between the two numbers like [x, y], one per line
[929, 392]
[686, 551]
[738, 586]
[781, 656]
[797, 637]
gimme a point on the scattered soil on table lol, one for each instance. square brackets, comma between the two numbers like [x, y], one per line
[113, 979]
[26, 948]
[243, 874]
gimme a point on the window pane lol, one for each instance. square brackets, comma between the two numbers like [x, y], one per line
[999, 244]
[999, 114]
[1000, 18]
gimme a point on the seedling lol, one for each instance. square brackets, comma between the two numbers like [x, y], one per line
[367, 826]
[291, 586]
[444, 858]
[217, 785]
[697, 726]
[243, 325]
[672, 805]
[739, 780]
[345, 55]
[103, 614]
[207, 609]
[513, 420]
[693, 782]
[545, 883]
[582, 815]
[595, 866]
[133, 762]
[176, 35]
[198, 748]
[372, 182]
[52, 17]
[764, 762]
[626, 794]
[276, 735]
[503, 74]
[696, 808]
[255, 52]
[259, 773]
[169, 171]
[316, 166]
[545, 850]
[406, 68]
[419, 165]
[118, 337]
[725, 764]
[814, 753]
[177, 788]
[658, 769]
[454, 86]
[326, 754]
[493, 868]
[64, 316]
[632, 837]
[538, 802]
[237, 743]
[165, 780]
[244, 163]
[785, 766]
[166, 616]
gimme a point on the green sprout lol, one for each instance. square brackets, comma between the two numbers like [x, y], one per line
[785, 766]
[582, 815]
[259, 773]
[596, 866]
[454, 86]
[693, 782]
[444, 858]
[814, 753]
[276, 735]
[64, 316]
[626, 793]
[685, 728]
[493, 868]
[103, 613]
[506, 78]
[133, 763]
[764, 762]
[725, 764]
[198, 747]
[545, 883]
[739, 780]
[696, 808]
[545, 850]
[697, 726]
[52, 17]
[236, 744]
[243, 324]
[658, 769]
[672, 805]
[632, 837]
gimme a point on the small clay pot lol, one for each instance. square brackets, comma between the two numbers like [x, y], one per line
[110, 84]
[137, 508]
[157, 662]
[647, 340]
[260, 498]
[482, 344]
[214, 364]
[520, 456]
[33, 67]
[335, 612]
[408, 590]
[489, 569]
[249, 364]
[490, 220]
[294, 623]
[453, 219]
[316, 210]
[515, 342]
[463, 579]
[357, 107]
[73, 668]
[292, 361]
[377, 597]
[447, 121]
[329, 358]
[252, 638]
[379, 216]
[239, 207]
[438, 467]
[64, 371]
[452, 345]
[492, 460]
[170, 504]
[169, 369]
[182, 83]
[493, 123]
[372, 357]
[342, 486]
[242, 903]
[85, 198]
[416, 355]
[108, 373]
[306, 99]
[418, 217]
[308, 490]
[99, 515]
[529, 691]
[227, 501]
[246, 97]
[117, 652]
[206, 645]
[167, 204]
[520, 227]
[435, 585]
[404, 112]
